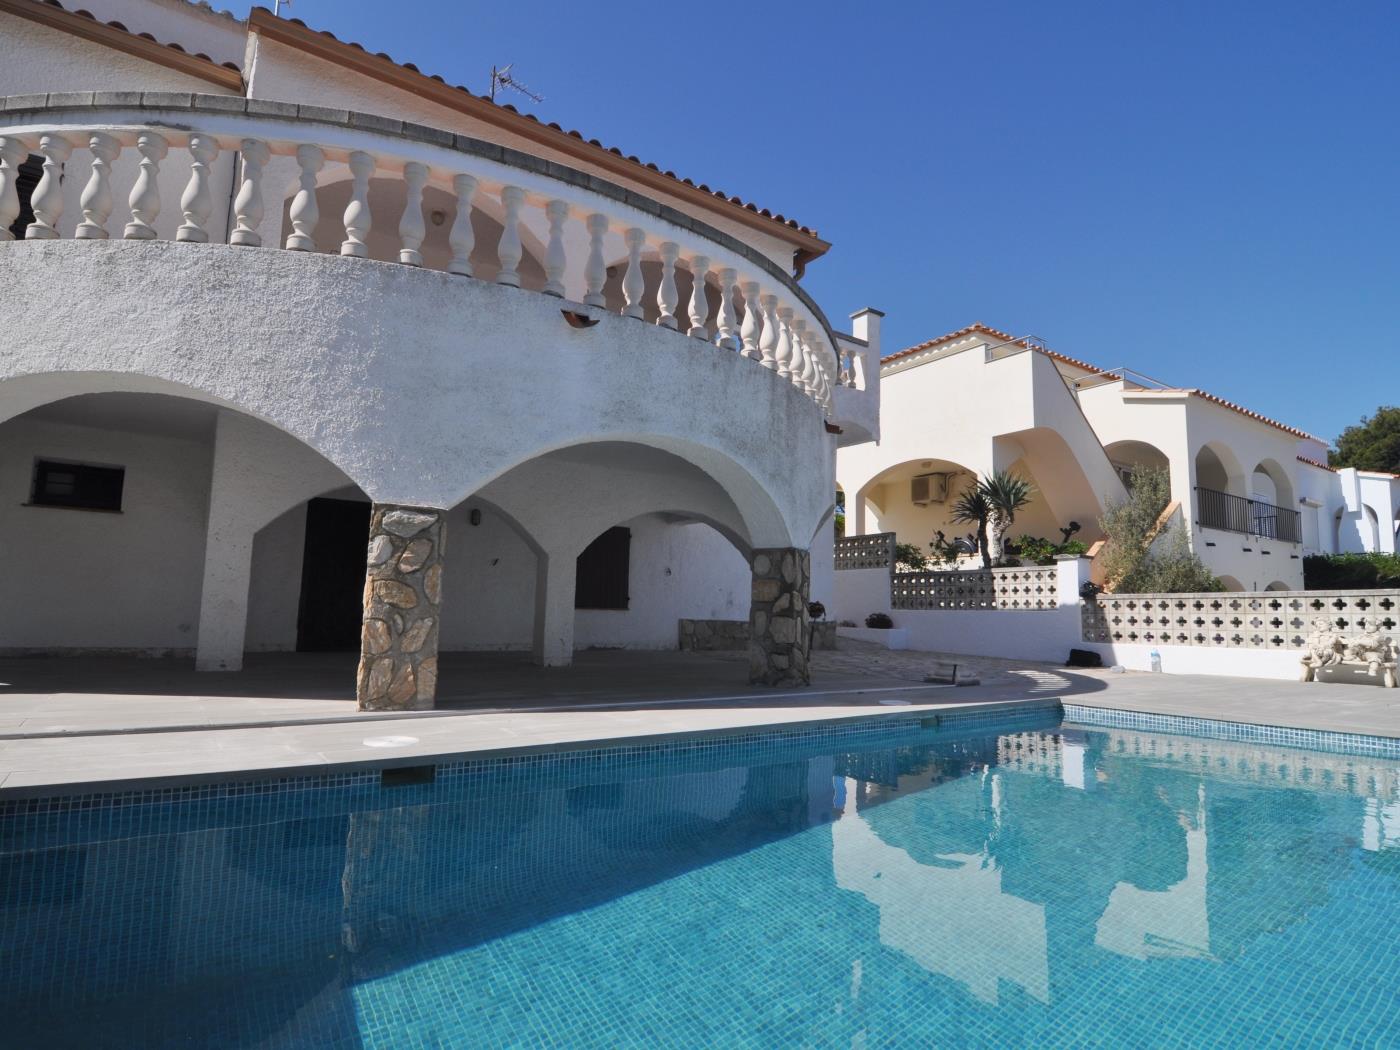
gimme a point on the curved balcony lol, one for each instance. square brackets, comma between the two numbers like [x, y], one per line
[317, 180]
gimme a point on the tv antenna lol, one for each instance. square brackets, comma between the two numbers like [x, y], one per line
[501, 78]
[277, 6]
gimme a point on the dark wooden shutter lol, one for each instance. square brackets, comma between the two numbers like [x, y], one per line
[603, 568]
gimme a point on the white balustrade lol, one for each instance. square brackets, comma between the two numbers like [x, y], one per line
[555, 261]
[776, 327]
[768, 342]
[96, 201]
[510, 251]
[725, 338]
[752, 328]
[634, 285]
[13, 151]
[305, 212]
[197, 201]
[412, 228]
[47, 202]
[699, 305]
[782, 353]
[358, 218]
[595, 271]
[248, 205]
[667, 297]
[462, 237]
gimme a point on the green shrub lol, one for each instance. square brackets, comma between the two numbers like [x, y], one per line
[1039, 551]
[909, 558]
[1130, 564]
[879, 621]
[1345, 572]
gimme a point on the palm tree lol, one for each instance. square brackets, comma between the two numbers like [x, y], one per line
[973, 507]
[1005, 493]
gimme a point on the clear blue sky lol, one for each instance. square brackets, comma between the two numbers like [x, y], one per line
[1206, 192]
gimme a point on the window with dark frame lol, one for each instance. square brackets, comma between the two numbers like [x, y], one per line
[78, 485]
[602, 579]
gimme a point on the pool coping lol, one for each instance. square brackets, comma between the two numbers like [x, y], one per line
[314, 765]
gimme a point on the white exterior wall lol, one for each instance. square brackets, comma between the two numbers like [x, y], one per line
[87, 579]
[961, 411]
[677, 572]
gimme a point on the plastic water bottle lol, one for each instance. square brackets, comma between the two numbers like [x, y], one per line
[1155, 658]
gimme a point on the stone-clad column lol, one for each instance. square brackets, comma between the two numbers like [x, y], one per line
[403, 591]
[778, 616]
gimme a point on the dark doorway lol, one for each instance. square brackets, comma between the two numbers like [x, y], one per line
[332, 576]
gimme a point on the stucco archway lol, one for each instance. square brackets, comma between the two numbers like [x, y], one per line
[1218, 469]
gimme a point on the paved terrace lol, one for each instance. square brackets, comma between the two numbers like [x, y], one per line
[90, 724]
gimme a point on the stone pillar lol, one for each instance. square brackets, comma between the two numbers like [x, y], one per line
[403, 591]
[778, 616]
[555, 580]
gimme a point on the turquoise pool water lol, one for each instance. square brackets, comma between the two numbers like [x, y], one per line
[1035, 884]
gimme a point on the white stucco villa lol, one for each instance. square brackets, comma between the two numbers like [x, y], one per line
[1256, 493]
[269, 293]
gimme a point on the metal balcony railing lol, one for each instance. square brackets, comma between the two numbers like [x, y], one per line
[1224, 510]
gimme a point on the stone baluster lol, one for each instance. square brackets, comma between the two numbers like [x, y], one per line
[782, 353]
[462, 238]
[725, 337]
[804, 363]
[304, 212]
[96, 201]
[753, 321]
[358, 219]
[633, 283]
[47, 201]
[555, 261]
[768, 344]
[248, 205]
[412, 228]
[699, 304]
[667, 297]
[12, 154]
[509, 250]
[595, 272]
[197, 201]
[145, 193]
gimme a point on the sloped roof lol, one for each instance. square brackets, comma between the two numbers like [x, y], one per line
[296, 33]
[978, 328]
[85, 24]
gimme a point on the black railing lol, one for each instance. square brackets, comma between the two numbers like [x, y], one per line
[1224, 510]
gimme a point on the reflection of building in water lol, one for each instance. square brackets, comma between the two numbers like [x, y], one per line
[1380, 826]
[953, 917]
[1145, 924]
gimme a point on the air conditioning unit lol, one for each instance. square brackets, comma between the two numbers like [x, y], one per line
[928, 488]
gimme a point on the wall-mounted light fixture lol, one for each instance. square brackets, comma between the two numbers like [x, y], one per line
[475, 516]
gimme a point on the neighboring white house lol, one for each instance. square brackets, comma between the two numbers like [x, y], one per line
[1254, 492]
[269, 294]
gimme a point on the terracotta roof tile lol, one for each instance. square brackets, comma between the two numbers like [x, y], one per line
[1315, 463]
[121, 27]
[979, 327]
[718, 194]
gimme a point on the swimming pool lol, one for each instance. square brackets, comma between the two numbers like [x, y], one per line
[973, 882]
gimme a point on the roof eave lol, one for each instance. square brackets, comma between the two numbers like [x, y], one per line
[806, 246]
[126, 41]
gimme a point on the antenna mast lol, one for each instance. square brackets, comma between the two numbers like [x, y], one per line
[501, 78]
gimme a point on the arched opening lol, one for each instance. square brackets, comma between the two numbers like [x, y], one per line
[158, 524]
[1125, 455]
[1230, 583]
[1217, 470]
[916, 500]
[1277, 585]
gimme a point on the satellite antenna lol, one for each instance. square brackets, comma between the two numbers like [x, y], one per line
[501, 78]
